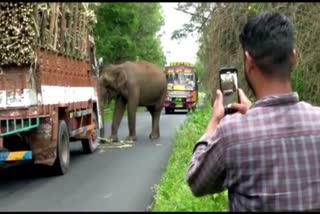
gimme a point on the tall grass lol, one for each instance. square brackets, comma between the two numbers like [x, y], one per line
[173, 193]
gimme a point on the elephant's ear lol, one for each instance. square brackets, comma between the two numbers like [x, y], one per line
[120, 77]
[104, 77]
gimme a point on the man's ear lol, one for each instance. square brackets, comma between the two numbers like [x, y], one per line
[249, 62]
[294, 57]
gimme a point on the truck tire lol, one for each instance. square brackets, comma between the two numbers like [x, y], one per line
[91, 144]
[62, 162]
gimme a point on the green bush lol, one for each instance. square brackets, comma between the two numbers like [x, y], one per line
[173, 193]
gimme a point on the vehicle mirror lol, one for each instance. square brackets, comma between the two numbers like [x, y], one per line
[100, 61]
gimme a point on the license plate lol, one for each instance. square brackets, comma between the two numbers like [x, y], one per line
[179, 105]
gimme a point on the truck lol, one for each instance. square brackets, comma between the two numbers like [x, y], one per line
[49, 91]
[182, 88]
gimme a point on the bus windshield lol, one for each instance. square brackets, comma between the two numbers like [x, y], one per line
[186, 79]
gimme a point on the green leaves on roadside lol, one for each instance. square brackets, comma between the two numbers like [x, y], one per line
[173, 194]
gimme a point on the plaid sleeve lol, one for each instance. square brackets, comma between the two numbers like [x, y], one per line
[206, 173]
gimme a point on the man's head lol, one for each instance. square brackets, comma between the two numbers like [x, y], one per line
[269, 54]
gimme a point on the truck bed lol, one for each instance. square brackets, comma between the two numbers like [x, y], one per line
[57, 81]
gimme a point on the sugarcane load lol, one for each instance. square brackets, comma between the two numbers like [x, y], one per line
[59, 27]
[49, 92]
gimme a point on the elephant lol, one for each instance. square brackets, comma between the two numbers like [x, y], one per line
[133, 84]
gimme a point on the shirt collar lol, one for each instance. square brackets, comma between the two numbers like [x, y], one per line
[282, 99]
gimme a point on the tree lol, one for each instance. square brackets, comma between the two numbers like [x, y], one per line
[219, 39]
[128, 31]
[200, 14]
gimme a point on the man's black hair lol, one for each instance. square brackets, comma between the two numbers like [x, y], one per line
[269, 39]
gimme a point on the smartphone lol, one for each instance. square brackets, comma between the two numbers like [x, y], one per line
[229, 84]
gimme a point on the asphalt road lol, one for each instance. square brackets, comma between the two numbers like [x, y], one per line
[107, 180]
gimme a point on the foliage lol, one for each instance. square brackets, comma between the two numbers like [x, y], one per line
[129, 32]
[108, 112]
[220, 45]
[173, 193]
[200, 14]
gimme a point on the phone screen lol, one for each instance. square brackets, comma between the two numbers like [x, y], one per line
[229, 86]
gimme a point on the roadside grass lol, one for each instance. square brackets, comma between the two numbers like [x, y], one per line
[173, 193]
[109, 111]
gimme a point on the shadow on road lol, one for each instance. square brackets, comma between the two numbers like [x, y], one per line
[27, 170]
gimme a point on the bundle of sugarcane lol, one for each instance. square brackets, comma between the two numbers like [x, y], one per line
[60, 27]
[68, 25]
[17, 33]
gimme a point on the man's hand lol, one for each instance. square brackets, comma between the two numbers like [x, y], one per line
[218, 113]
[218, 108]
[244, 104]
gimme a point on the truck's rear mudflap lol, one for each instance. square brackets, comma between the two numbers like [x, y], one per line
[38, 132]
[12, 126]
[6, 156]
[15, 156]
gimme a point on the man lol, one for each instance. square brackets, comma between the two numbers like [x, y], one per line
[268, 154]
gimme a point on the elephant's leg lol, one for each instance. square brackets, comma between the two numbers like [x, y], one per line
[155, 134]
[155, 114]
[156, 123]
[133, 103]
[151, 110]
[116, 119]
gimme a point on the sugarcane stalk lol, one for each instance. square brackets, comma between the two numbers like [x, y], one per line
[52, 23]
[68, 30]
[74, 29]
[56, 30]
[36, 28]
[62, 27]
[79, 37]
[43, 28]
[84, 37]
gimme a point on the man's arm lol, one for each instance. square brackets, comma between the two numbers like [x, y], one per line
[207, 171]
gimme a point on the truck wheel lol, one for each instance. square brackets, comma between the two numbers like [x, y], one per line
[91, 144]
[62, 162]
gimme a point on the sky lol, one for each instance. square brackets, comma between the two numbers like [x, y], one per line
[175, 50]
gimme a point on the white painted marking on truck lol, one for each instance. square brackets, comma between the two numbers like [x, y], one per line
[62, 95]
[49, 95]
